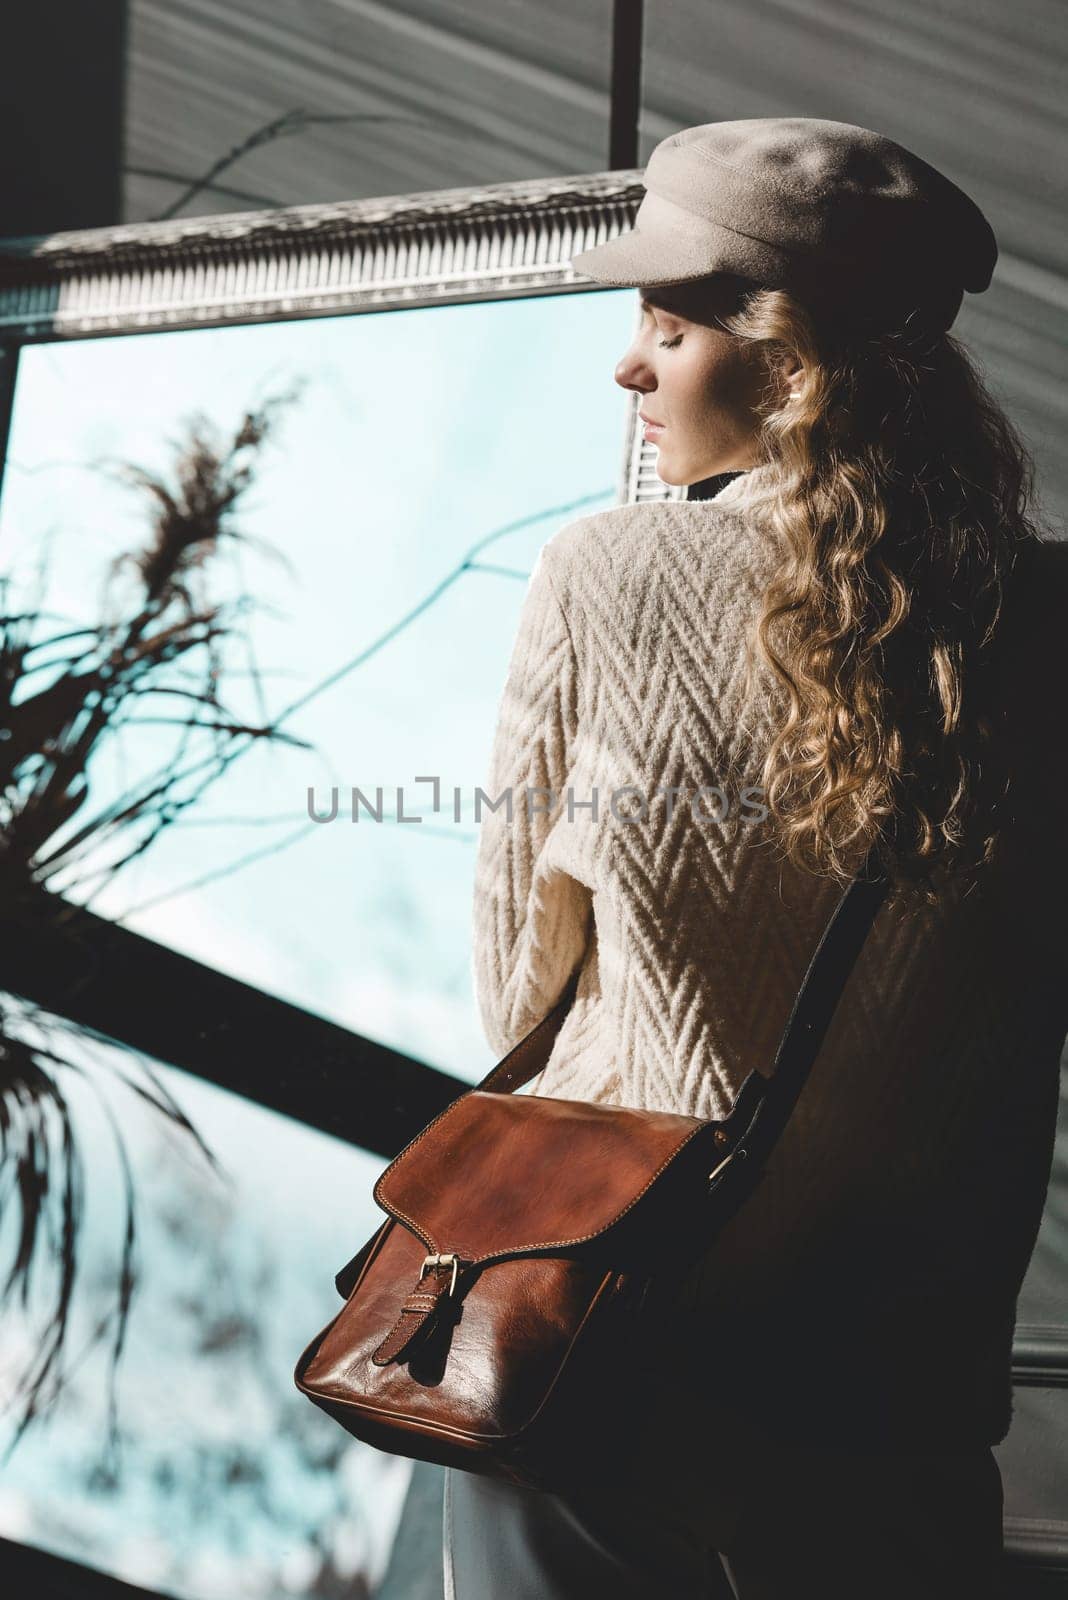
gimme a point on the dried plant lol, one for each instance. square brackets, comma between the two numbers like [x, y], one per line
[165, 638]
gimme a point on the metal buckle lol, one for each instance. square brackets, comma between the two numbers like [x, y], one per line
[444, 1258]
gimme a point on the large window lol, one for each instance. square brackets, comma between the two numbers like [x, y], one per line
[413, 463]
[251, 568]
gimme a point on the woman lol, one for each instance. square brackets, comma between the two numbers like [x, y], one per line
[718, 706]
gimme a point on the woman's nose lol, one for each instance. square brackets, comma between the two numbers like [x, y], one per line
[633, 373]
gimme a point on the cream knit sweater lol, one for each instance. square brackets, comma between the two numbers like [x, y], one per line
[869, 1286]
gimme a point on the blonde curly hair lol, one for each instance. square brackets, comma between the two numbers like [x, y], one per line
[903, 506]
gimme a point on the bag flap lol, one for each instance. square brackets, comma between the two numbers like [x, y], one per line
[497, 1174]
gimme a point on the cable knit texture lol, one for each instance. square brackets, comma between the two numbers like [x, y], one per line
[868, 1289]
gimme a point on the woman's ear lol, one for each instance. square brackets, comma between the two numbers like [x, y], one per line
[791, 377]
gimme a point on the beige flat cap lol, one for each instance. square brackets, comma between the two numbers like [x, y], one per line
[830, 211]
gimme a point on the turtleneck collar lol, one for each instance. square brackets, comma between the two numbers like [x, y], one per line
[756, 483]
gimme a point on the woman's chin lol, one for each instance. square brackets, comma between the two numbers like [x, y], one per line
[667, 473]
[675, 475]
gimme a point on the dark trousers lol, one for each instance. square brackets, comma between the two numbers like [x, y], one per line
[763, 1523]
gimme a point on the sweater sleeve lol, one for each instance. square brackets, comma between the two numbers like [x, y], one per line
[530, 918]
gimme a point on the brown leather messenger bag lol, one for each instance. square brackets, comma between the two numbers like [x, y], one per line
[494, 1320]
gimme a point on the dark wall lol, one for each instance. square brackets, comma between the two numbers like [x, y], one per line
[62, 94]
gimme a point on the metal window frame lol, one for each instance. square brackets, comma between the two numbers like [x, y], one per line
[438, 247]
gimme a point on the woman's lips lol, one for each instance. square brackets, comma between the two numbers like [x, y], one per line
[653, 430]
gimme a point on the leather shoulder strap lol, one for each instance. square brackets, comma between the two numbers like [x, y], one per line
[764, 1104]
[756, 1108]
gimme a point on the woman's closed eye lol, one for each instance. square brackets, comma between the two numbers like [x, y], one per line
[669, 344]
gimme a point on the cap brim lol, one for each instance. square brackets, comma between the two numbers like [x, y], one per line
[641, 260]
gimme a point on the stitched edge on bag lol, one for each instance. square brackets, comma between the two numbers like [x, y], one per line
[311, 1349]
[526, 1042]
[545, 1244]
